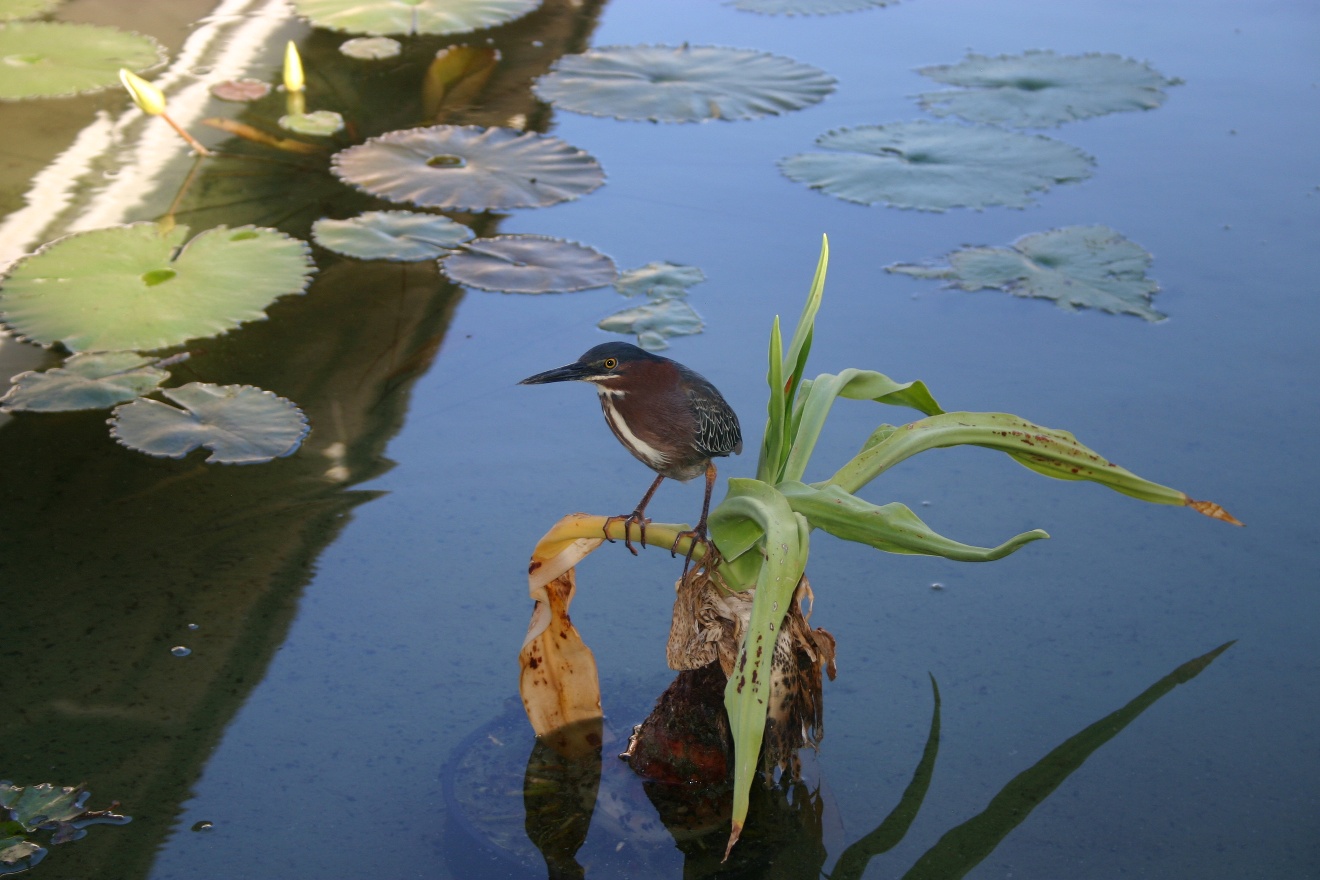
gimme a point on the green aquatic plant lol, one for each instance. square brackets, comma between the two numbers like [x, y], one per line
[399, 236]
[61, 810]
[85, 381]
[385, 17]
[666, 312]
[46, 59]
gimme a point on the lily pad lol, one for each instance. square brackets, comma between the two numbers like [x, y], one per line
[382, 17]
[241, 90]
[321, 123]
[1090, 267]
[86, 381]
[238, 423]
[139, 287]
[28, 809]
[934, 166]
[659, 280]
[654, 322]
[469, 168]
[402, 236]
[1040, 89]
[807, 7]
[529, 264]
[43, 59]
[370, 48]
[681, 83]
[11, 10]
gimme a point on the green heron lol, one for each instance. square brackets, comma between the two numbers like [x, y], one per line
[670, 418]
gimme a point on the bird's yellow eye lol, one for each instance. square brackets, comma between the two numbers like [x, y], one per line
[611, 363]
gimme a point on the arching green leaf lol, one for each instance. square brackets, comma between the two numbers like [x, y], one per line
[85, 381]
[43, 59]
[529, 264]
[382, 17]
[402, 236]
[681, 83]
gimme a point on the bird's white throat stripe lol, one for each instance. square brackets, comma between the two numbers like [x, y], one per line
[652, 456]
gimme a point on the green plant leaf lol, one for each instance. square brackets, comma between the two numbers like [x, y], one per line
[529, 264]
[681, 83]
[370, 48]
[85, 381]
[932, 166]
[654, 322]
[807, 7]
[42, 59]
[402, 236]
[382, 17]
[659, 280]
[892, 527]
[1039, 89]
[469, 168]
[10, 10]
[238, 423]
[140, 287]
[1076, 267]
[318, 123]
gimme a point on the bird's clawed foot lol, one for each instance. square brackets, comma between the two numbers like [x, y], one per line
[635, 518]
[710, 559]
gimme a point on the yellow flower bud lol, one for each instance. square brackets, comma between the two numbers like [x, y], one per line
[293, 69]
[149, 98]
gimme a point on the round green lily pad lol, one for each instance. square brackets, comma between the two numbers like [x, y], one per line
[370, 48]
[402, 236]
[681, 83]
[529, 264]
[240, 424]
[321, 123]
[139, 287]
[659, 280]
[42, 59]
[469, 168]
[383, 17]
[85, 381]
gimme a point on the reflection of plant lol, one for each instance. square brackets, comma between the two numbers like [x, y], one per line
[44, 807]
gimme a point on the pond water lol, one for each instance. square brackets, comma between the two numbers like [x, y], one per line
[353, 614]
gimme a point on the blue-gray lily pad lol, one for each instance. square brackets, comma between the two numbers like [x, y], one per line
[529, 264]
[85, 381]
[469, 168]
[654, 322]
[401, 236]
[1091, 267]
[934, 166]
[1040, 89]
[382, 17]
[807, 7]
[44, 59]
[681, 83]
[659, 280]
[240, 424]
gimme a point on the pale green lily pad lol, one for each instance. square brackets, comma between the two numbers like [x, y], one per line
[139, 287]
[1091, 267]
[807, 7]
[654, 322]
[469, 168]
[402, 236]
[85, 381]
[934, 166]
[529, 264]
[370, 48]
[681, 83]
[1040, 89]
[41, 59]
[659, 280]
[11, 10]
[383, 17]
[320, 123]
[238, 423]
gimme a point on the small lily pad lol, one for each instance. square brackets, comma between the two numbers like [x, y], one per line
[469, 168]
[934, 166]
[1090, 267]
[370, 48]
[529, 264]
[1040, 89]
[43, 59]
[321, 123]
[241, 90]
[85, 381]
[238, 423]
[12, 10]
[654, 322]
[402, 236]
[807, 7]
[681, 83]
[383, 17]
[140, 287]
[659, 280]
[61, 810]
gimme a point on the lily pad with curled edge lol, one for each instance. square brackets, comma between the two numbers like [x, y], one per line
[469, 168]
[654, 322]
[1040, 89]
[681, 83]
[529, 264]
[1090, 267]
[659, 280]
[384, 17]
[44, 59]
[807, 7]
[139, 287]
[238, 423]
[401, 236]
[321, 123]
[933, 166]
[11, 10]
[370, 48]
[85, 381]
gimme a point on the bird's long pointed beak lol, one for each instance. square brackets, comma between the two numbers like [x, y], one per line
[566, 373]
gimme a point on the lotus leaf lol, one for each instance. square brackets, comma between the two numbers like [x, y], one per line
[659, 280]
[370, 48]
[469, 168]
[402, 236]
[529, 264]
[681, 84]
[654, 322]
[934, 166]
[86, 381]
[321, 123]
[382, 17]
[43, 59]
[238, 423]
[11, 10]
[1040, 89]
[1077, 267]
[241, 90]
[807, 7]
[140, 287]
